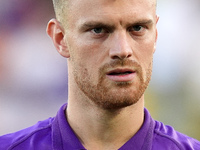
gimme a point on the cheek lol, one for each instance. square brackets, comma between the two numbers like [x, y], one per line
[90, 54]
[85, 67]
[145, 56]
[146, 52]
[84, 59]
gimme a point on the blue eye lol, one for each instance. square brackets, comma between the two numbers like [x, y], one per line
[97, 30]
[137, 28]
[100, 30]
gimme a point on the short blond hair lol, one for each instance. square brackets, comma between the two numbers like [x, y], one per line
[59, 6]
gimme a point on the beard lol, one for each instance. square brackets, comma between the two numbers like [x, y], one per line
[112, 95]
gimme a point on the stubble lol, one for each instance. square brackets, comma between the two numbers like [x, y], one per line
[113, 95]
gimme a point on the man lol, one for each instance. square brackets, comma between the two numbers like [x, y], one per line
[109, 46]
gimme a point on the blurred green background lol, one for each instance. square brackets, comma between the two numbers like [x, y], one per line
[33, 76]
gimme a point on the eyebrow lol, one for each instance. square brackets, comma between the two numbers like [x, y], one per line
[143, 22]
[96, 24]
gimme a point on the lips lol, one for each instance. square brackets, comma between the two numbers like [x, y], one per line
[121, 75]
[120, 72]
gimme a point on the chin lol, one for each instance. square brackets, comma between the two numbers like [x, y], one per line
[116, 106]
[118, 101]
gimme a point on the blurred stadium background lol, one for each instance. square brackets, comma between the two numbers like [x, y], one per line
[33, 76]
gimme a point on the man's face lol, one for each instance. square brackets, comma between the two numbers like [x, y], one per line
[111, 45]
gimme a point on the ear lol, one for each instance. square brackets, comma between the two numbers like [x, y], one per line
[157, 18]
[57, 34]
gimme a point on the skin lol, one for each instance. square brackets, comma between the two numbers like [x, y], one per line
[99, 38]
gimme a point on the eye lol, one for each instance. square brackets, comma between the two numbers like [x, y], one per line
[137, 28]
[97, 30]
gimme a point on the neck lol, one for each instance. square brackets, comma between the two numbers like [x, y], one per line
[98, 128]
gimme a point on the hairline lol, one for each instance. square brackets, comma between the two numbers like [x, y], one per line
[60, 6]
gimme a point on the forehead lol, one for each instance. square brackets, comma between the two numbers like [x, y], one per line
[89, 4]
[80, 10]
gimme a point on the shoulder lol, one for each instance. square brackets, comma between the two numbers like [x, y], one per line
[166, 136]
[26, 138]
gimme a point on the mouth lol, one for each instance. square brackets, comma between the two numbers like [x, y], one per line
[118, 72]
[121, 75]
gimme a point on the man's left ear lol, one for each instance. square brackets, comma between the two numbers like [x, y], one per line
[157, 18]
[56, 33]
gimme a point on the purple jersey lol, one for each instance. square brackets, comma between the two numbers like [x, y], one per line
[56, 134]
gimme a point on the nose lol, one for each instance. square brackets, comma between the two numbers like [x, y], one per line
[120, 47]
